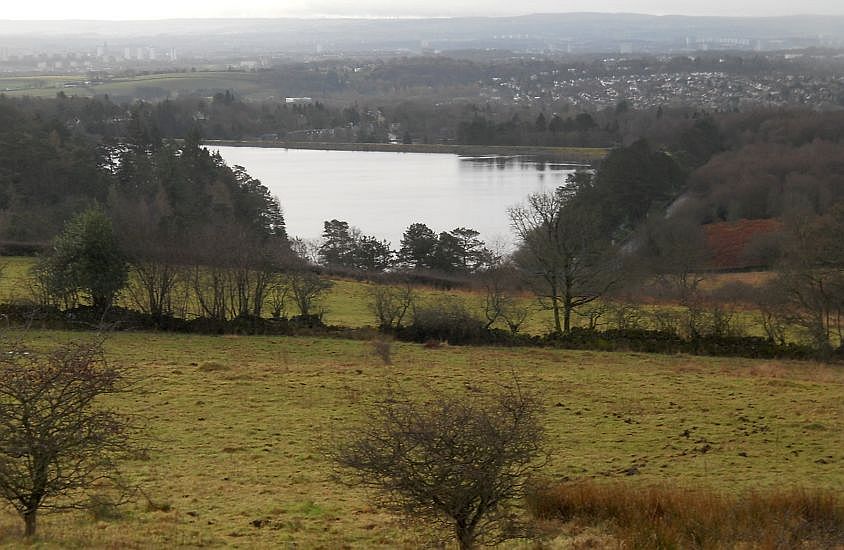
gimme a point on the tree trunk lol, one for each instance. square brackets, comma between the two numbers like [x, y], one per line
[464, 538]
[29, 520]
[567, 319]
[555, 304]
[567, 309]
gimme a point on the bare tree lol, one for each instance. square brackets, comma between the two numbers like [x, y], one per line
[811, 277]
[152, 286]
[209, 287]
[156, 255]
[500, 302]
[390, 304]
[279, 293]
[676, 252]
[306, 289]
[56, 440]
[563, 249]
[457, 460]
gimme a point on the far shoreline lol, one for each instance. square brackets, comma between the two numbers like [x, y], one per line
[584, 155]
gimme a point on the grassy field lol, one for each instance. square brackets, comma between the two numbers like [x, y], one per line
[238, 425]
[244, 84]
[561, 154]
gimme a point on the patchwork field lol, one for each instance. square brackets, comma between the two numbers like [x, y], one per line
[238, 425]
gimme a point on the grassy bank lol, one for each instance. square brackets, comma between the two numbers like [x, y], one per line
[238, 424]
[585, 155]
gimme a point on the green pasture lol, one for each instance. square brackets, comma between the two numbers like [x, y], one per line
[237, 428]
[244, 84]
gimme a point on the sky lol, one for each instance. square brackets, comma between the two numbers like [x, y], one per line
[164, 9]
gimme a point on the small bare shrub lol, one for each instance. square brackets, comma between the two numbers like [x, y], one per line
[383, 348]
[457, 460]
[103, 508]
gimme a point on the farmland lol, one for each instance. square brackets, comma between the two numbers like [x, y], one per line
[238, 425]
[155, 85]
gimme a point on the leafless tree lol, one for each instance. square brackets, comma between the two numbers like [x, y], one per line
[563, 249]
[811, 277]
[390, 304]
[233, 273]
[156, 256]
[279, 294]
[209, 287]
[306, 289]
[677, 254]
[57, 440]
[514, 315]
[457, 460]
[774, 312]
[500, 302]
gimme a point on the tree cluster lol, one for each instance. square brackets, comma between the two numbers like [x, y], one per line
[456, 252]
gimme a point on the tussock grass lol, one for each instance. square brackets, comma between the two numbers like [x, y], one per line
[662, 516]
[213, 366]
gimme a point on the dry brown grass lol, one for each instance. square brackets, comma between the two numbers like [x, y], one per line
[656, 517]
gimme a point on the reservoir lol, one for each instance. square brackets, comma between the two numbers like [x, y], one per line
[382, 193]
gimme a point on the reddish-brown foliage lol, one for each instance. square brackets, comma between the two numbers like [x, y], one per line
[673, 517]
[728, 241]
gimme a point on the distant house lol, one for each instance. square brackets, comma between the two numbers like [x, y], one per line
[298, 101]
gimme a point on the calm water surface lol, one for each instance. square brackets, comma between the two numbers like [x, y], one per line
[382, 193]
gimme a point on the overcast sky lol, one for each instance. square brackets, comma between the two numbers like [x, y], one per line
[161, 9]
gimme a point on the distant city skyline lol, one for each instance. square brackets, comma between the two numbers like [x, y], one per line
[167, 9]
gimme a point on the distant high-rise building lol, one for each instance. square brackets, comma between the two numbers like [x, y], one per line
[127, 53]
[140, 54]
[151, 53]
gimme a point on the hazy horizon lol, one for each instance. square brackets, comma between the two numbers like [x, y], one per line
[381, 9]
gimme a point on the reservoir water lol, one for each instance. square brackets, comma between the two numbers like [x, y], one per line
[382, 193]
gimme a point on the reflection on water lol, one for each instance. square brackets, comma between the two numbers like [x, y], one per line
[524, 162]
[383, 193]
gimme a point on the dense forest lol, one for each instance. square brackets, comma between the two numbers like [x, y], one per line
[61, 155]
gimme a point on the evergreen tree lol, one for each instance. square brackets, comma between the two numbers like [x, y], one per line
[86, 258]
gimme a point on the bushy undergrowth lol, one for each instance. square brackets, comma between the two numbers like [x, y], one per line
[118, 318]
[662, 517]
[444, 321]
[658, 341]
